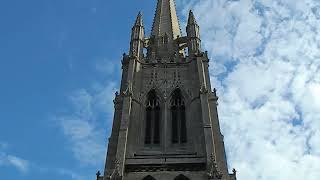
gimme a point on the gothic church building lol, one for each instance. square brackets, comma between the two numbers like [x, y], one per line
[166, 124]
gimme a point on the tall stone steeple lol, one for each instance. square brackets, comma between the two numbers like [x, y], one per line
[166, 124]
[166, 20]
[165, 31]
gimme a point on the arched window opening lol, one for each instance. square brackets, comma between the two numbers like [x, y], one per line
[148, 178]
[152, 129]
[181, 177]
[178, 118]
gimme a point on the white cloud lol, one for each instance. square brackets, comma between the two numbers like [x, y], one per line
[86, 140]
[19, 163]
[266, 58]
[11, 160]
[84, 124]
[106, 66]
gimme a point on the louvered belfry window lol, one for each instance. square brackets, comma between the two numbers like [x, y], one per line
[178, 118]
[152, 128]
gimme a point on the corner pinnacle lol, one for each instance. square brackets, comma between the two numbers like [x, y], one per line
[139, 21]
[191, 19]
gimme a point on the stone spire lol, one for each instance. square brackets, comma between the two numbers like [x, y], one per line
[139, 21]
[191, 19]
[193, 34]
[166, 20]
[137, 38]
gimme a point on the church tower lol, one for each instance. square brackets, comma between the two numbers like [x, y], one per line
[166, 124]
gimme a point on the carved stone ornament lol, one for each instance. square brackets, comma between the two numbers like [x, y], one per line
[115, 175]
[165, 85]
[134, 52]
[203, 89]
[128, 91]
[213, 172]
[116, 99]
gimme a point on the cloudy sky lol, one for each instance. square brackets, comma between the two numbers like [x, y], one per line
[60, 66]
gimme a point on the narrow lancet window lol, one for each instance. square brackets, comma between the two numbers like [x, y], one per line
[178, 118]
[152, 128]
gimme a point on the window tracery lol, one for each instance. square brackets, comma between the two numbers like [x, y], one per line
[178, 118]
[152, 128]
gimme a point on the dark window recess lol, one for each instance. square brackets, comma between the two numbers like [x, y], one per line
[174, 124]
[153, 113]
[156, 133]
[148, 178]
[178, 118]
[181, 177]
[148, 126]
[183, 131]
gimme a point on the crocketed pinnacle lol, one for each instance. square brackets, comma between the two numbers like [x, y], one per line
[191, 19]
[166, 20]
[139, 21]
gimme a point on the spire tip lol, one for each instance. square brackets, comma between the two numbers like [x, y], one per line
[166, 19]
[139, 21]
[191, 19]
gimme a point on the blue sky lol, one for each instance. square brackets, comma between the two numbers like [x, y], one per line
[50, 51]
[60, 66]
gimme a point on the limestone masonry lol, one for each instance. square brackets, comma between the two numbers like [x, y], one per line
[166, 124]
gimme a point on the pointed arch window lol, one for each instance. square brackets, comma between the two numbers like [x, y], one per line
[152, 128]
[178, 118]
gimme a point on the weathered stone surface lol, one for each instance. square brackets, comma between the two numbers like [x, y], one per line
[198, 155]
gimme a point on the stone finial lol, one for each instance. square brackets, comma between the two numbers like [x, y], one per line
[215, 92]
[191, 19]
[98, 175]
[234, 171]
[139, 21]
